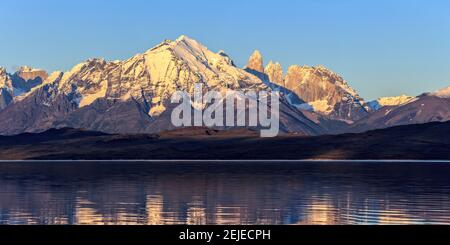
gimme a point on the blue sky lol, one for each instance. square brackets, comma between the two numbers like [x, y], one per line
[382, 47]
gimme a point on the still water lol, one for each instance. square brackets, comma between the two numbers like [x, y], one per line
[224, 193]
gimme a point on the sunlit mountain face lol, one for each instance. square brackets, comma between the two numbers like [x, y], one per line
[133, 96]
[311, 193]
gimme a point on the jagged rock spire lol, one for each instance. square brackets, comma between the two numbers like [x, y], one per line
[275, 73]
[256, 62]
[5, 79]
[6, 89]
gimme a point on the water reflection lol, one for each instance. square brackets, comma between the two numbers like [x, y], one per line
[153, 194]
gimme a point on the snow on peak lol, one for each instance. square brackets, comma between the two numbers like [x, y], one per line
[54, 76]
[192, 60]
[152, 76]
[398, 100]
[442, 93]
[25, 69]
[390, 101]
[189, 41]
[321, 106]
[27, 77]
[183, 37]
[51, 79]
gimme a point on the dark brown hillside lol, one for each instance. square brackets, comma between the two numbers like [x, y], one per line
[414, 142]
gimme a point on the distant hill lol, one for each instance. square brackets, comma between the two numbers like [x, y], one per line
[413, 142]
[423, 109]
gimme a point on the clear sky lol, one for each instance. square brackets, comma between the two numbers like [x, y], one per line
[382, 47]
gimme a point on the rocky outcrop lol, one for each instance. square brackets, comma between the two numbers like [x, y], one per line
[3, 75]
[317, 88]
[21, 82]
[325, 92]
[5, 79]
[6, 89]
[275, 73]
[256, 62]
[27, 78]
[27, 73]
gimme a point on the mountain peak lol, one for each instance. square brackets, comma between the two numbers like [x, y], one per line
[326, 92]
[188, 41]
[153, 76]
[442, 93]
[256, 52]
[256, 62]
[6, 89]
[275, 73]
[323, 68]
[182, 44]
[183, 38]
[28, 69]
[27, 73]
[390, 101]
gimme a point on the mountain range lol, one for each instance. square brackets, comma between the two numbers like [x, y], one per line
[133, 96]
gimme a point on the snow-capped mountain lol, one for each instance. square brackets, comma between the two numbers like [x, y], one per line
[428, 107]
[27, 78]
[22, 81]
[390, 101]
[133, 96]
[442, 93]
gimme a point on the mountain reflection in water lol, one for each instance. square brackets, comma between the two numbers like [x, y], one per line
[224, 193]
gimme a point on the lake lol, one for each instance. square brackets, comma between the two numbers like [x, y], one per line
[224, 193]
